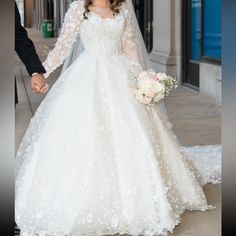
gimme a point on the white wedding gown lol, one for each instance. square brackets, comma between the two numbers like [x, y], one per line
[95, 160]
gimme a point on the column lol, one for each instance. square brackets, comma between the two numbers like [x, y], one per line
[62, 11]
[38, 14]
[56, 11]
[166, 53]
[60, 8]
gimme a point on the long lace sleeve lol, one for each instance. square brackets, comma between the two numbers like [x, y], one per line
[130, 44]
[66, 39]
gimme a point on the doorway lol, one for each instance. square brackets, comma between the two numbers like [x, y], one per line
[192, 10]
[144, 13]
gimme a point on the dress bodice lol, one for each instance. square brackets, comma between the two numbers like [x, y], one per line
[99, 36]
[102, 36]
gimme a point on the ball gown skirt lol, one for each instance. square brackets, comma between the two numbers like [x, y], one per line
[98, 162]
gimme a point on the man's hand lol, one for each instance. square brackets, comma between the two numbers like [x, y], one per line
[38, 84]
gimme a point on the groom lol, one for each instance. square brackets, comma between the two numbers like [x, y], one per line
[26, 51]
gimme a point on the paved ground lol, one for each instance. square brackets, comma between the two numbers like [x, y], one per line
[196, 120]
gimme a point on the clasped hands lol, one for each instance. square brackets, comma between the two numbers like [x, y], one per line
[38, 84]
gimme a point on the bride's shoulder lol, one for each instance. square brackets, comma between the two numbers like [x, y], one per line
[78, 4]
[76, 8]
[125, 9]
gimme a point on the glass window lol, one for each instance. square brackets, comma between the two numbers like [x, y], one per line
[212, 29]
[196, 8]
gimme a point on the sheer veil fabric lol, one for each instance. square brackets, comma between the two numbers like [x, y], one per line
[94, 161]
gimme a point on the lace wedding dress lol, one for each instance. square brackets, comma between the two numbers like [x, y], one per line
[95, 160]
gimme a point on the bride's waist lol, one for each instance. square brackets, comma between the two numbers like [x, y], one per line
[103, 54]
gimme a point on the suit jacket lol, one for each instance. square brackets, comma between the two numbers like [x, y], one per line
[25, 47]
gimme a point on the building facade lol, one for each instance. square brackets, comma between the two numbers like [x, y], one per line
[202, 46]
[37, 10]
[183, 37]
[187, 43]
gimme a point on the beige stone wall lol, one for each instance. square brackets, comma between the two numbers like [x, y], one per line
[28, 13]
[39, 13]
[211, 81]
[166, 53]
[36, 11]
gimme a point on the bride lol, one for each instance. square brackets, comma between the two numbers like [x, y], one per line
[94, 161]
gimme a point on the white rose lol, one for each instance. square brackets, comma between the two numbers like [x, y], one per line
[158, 87]
[162, 76]
[145, 84]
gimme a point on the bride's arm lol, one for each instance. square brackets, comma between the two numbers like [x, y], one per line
[66, 39]
[130, 44]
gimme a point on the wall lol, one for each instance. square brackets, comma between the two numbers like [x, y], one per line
[166, 53]
[211, 81]
[28, 13]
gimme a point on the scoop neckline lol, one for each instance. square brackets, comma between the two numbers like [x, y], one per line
[104, 18]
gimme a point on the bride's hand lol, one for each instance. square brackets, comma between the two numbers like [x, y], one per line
[38, 84]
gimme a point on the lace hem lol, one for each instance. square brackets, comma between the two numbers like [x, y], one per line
[148, 232]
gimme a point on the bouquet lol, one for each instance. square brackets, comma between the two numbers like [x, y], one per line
[150, 87]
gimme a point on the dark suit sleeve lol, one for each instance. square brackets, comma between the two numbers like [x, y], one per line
[25, 48]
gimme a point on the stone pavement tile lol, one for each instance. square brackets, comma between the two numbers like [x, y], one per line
[22, 95]
[198, 131]
[183, 91]
[213, 194]
[189, 107]
[197, 223]
[23, 115]
[19, 133]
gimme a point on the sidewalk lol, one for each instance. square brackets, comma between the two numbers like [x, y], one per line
[196, 120]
